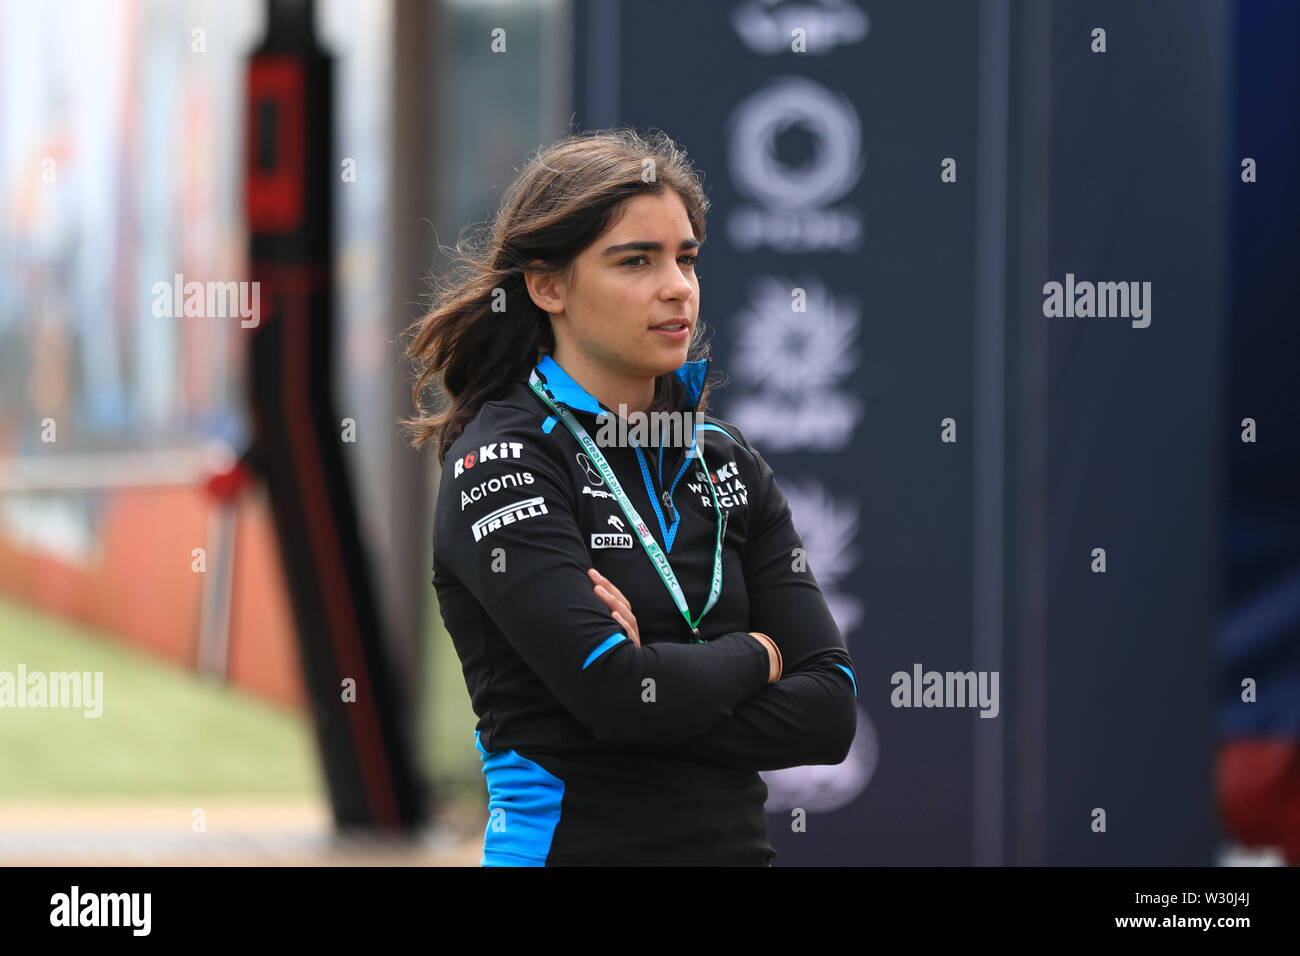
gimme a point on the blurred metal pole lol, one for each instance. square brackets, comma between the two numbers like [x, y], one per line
[356, 682]
[407, 564]
[104, 471]
[1026, 611]
[213, 654]
[988, 583]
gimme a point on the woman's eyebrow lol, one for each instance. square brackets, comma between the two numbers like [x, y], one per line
[644, 245]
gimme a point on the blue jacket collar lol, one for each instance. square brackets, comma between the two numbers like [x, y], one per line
[569, 392]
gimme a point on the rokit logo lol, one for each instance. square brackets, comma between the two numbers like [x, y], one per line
[493, 485]
[510, 514]
[492, 452]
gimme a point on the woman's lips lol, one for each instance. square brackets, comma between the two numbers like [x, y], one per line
[678, 335]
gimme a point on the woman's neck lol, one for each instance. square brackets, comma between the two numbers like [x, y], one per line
[612, 391]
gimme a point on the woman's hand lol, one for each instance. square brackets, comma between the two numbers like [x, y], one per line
[622, 610]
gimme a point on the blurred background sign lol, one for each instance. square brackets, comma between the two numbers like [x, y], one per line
[893, 184]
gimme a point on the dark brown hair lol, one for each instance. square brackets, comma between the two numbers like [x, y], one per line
[562, 201]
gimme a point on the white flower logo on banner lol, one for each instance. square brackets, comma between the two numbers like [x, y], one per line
[790, 367]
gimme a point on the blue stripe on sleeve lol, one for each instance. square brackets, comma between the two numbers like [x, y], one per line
[605, 645]
[850, 673]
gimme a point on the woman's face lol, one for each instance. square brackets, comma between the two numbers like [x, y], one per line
[636, 278]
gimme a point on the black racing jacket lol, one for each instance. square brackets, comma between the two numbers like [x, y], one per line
[596, 751]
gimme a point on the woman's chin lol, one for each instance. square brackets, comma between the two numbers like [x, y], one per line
[672, 358]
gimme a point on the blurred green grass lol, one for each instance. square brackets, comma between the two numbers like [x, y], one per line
[166, 731]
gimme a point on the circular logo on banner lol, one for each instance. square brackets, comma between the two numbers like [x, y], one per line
[831, 122]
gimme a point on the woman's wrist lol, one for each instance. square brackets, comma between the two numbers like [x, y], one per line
[777, 664]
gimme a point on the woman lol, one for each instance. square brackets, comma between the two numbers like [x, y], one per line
[637, 626]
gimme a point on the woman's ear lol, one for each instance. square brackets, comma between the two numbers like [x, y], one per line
[546, 289]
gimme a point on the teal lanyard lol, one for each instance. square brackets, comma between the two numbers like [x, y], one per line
[652, 549]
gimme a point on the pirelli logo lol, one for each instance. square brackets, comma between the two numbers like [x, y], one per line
[510, 514]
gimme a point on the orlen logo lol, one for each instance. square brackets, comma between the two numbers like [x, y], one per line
[502, 449]
[610, 541]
